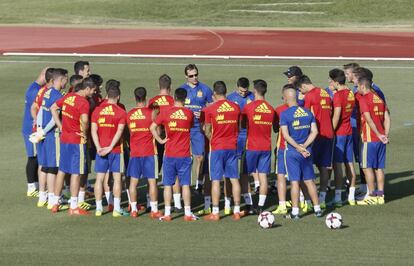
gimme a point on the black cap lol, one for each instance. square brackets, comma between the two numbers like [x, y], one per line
[293, 71]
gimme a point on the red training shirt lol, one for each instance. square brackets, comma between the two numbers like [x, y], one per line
[260, 117]
[375, 106]
[346, 100]
[318, 101]
[177, 122]
[142, 142]
[223, 116]
[108, 117]
[73, 106]
[280, 144]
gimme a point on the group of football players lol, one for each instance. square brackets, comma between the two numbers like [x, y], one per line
[207, 136]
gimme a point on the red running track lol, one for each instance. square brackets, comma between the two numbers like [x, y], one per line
[207, 42]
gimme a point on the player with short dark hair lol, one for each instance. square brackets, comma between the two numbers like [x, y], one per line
[293, 74]
[258, 118]
[199, 95]
[177, 121]
[299, 129]
[318, 101]
[74, 126]
[82, 68]
[221, 128]
[143, 162]
[242, 96]
[73, 81]
[375, 127]
[108, 123]
[343, 104]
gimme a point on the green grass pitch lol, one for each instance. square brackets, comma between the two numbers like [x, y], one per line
[372, 235]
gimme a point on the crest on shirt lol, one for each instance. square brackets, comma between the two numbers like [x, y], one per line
[101, 120]
[187, 101]
[199, 94]
[172, 124]
[225, 107]
[262, 108]
[132, 125]
[295, 123]
[300, 113]
[179, 114]
[257, 117]
[219, 117]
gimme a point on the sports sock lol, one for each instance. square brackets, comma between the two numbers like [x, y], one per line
[295, 210]
[154, 206]
[322, 196]
[301, 197]
[99, 205]
[129, 197]
[248, 198]
[351, 195]
[42, 196]
[167, 211]
[187, 210]
[117, 204]
[108, 196]
[256, 184]
[50, 197]
[73, 202]
[31, 187]
[317, 208]
[81, 196]
[380, 193]
[338, 195]
[262, 199]
[282, 204]
[236, 209]
[227, 203]
[56, 200]
[134, 206]
[207, 202]
[36, 185]
[148, 201]
[198, 183]
[177, 200]
[215, 209]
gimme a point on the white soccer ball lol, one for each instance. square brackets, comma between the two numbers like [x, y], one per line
[266, 220]
[333, 220]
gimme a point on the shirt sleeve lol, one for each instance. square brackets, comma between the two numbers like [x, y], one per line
[160, 118]
[363, 105]
[123, 118]
[94, 117]
[283, 119]
[337, 100]
[84, 107]
[59, 102]
[209, 95]
[308, 100]
[207, 116]
[276, 117]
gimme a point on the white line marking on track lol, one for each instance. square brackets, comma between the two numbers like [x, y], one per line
[245, 57]
[277, 12]
[219, 45]
[295, 4]
[201, 64]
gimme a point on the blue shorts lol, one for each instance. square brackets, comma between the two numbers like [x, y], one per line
[139, 167]
[112, 162]
[31, 150]
[174, 167]
[73, 158]
[258, 161]
[52, 147]
[322, 149]
[41, 153]
[280, 162]
[223, 163]
[373, 155]
[197, 142]
[356, 139]
[343, 149]
[298, 167]
[241, 153]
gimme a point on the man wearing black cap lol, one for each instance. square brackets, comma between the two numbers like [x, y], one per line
[293, 73]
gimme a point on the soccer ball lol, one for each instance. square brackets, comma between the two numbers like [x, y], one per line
[266, 220]
[333, 220]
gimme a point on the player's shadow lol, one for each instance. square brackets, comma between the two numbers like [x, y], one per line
[396, 189]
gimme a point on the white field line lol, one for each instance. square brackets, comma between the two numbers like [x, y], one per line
[283, 66]
[254, 57]
[277, 12]
[295, 4]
